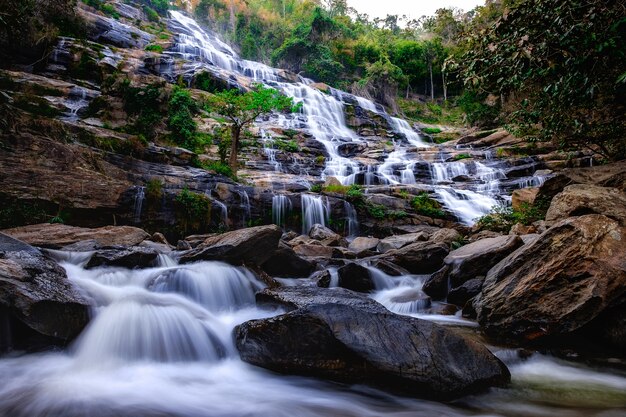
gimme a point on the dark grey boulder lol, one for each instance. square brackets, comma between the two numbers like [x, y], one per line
[355, 277]
[354, 345]
[133, 257]
[37, 300]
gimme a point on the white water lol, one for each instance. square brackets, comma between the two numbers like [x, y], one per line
[314, 211]
[281, 207]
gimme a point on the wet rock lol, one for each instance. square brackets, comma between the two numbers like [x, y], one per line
[419, 257]
[524, 196]
[463, 293]
[37, 299]
[106, 30]
[355, 277]
[132, 257]
[253, 245]
[284, 262]
[183, 245]
[322, 278]
[361, 244]
[399, 241]
[159, 238]
[478, 257]
[557, 284]
[294, 298]
[350, 149]
[389, 268]
[56, 236]
[437, 284]
[326, 236]
[580, 199]
[349, 344]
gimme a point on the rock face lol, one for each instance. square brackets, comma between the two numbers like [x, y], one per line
[476, 258]
[361, 244]
[557, 284]
[419, 257]
[36, 297]
[57, 236]
[253, 245]
[399, 241]
[579, 199]
[345, 343]
[133, 257]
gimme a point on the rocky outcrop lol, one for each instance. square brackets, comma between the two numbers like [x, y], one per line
[559, 283]
[57, 236]
[399, 241]
[103, 29]
[361, 244]
[346, 343]
[284, 262]
[131, 257]
[37, 300]
[355, 277]
[253, 245]
[419, 257]
[476, 258]
[580, 199]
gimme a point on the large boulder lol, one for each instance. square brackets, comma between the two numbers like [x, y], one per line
[57, 236]
[355, 277]
[400, 241]
[284, 262]
[132, 257]
[326, 236]
[349, 344]
[37, 300]
[579, 199]
[419, 257]
[253, 245]
[361, 244]
[557, 284]
[476, 258]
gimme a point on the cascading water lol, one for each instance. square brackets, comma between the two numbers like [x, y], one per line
[281, 207]
[352, 222]
[140, 196]
[314, 211]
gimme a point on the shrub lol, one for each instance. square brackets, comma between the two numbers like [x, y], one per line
[316, 188]
[502, 218]
[424, 205]
[461, 156]
[193, 210]
[377, 211]
[181, 108]
[431, 130]
[153, 47]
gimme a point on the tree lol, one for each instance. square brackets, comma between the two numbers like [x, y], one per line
[242, 109]
[558, 68]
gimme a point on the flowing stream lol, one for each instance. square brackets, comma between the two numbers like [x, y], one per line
[160, 344]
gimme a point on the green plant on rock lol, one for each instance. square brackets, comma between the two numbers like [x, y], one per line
[193, 210]
[502, 218]
[153, 47]
[144, 104]
[181, 109]
[316, 188]
[354, 194]
[377, 211]
[460, 156]
[426, 206]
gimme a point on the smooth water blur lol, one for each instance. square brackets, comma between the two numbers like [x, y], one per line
[161, 344]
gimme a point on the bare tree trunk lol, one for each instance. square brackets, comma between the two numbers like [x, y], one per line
[233, 159]
[445, 87]
[432, 84]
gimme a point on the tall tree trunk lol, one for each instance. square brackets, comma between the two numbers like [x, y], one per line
[233, 159]
[445, 86]
[432, 84]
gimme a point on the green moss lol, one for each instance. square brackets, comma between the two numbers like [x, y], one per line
[431, 130]
[502, 218]
[461, 156]
[193, 211]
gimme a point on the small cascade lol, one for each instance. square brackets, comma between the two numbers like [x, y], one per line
[443, 172]
[467, 205]
[314, 211]
[402, 126]
[223, 210]
[270, 152]
[281, 207]
[140, 196]
[408, 177]
[244, 204]
[396, 163]
[352, 222]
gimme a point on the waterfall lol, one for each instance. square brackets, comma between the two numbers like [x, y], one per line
[314, 211]
[352, 222]
[281, 207]
[244, 204]
[140, 196]
[402, 126]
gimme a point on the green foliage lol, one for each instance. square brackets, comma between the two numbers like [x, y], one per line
[377, 211]
[154, 190]
[477, 112]
[431, 130]
[207, 82]
[144, 105]
[15, 213]
[285, 145]
[397, 214]
[424, 205]
[220, 168]
[193, 210]
[109, 10]
[153, 47]
[316, 188]
[241, 109]
[181, 109]
[354, 193]
[502, 218]
[461, 156]
[557, 65]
